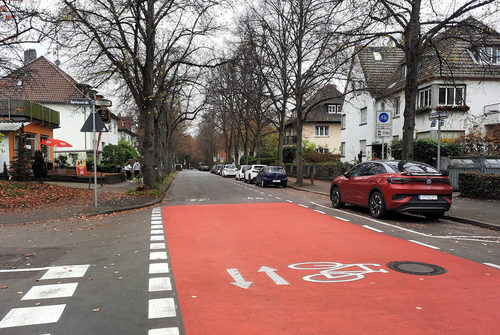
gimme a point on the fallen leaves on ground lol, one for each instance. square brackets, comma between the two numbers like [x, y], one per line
[19, 196]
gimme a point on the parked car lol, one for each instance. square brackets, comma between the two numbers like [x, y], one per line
[203, 167]
[218, 168]
[178, 167]
[240, 174]
[214, 169]
[229, 170]
[394, 186]
[274, 175]
[251, 173]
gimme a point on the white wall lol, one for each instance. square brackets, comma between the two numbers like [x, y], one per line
[72, 119]
[4, 152]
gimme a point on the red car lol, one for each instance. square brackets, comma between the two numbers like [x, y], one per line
[394, 186]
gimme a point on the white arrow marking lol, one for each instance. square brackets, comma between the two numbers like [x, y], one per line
[272, 274]
[238, 279]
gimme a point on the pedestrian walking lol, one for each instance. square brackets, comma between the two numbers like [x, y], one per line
[137, 170]
[128, 171]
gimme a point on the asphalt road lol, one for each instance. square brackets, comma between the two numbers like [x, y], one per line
[125, 274]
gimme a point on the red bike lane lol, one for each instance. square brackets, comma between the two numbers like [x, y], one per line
[217, 251]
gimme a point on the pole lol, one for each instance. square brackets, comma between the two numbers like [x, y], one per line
[95, 155]
[439, 146]
[383, 147]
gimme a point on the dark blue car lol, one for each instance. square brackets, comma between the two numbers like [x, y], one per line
[275, 175]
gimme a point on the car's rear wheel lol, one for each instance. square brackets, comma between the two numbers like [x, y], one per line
[434, 216]
[377, 205]
[336, 198]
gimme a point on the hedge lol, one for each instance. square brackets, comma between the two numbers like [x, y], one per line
[426, 150]
[479, 185]
[325, 171]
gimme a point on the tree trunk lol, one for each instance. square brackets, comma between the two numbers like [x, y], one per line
[413, 52]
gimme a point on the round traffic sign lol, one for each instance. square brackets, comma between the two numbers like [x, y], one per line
[383, 117]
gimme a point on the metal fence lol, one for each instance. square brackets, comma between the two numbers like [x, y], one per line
[471, 164]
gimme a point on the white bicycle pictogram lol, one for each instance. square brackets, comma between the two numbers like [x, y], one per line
[334, 272]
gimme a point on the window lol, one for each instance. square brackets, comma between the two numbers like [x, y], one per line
[322, 131]
[395, 138]
[342, 121]
[333, 109]
[377, 56]
[451, 95]
[322, 150]
[363, 116]
[342, 149]
[486, 55]
[362, 147]
[424, 97]
[397, 110]
[403, 71]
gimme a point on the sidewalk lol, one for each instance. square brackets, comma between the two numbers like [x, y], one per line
[483, 213]
[111, 198]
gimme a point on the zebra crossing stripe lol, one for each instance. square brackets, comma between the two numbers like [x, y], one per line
[50, 291]
[164, 331]
[32, 316]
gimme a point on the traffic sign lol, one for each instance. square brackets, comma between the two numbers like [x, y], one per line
[441, 123]
[438, 115]
[103, 102]
[99, 125]
[433, 123]
[383, 126]
[80, 102]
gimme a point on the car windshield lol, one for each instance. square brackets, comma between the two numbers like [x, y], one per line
[258, 167]
[230, 166]
[276, 169]
[411, 167]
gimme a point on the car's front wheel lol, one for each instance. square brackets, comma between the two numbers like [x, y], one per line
[377, 205]
[336, 198]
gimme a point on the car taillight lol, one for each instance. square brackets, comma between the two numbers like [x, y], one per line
[398, 180]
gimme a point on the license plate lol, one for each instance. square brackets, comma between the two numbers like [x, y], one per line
[427, 197]
[277, 181]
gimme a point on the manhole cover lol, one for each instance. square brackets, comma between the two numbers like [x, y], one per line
[416, 268]
[8, 261]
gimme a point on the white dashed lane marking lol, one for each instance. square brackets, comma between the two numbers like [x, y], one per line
[493, 265]
[157, 232]
[159, 284]
[157, 246]
[161, 308]
[157, 256]
[374, 229]
[157, 238]
[425, 245]
[164, 331]
[156, 268]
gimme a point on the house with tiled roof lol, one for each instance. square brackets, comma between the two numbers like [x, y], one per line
[459, 75]
[43, 82]
[322, 123]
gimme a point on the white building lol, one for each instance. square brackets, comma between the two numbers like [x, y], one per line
[43, 82]
[464, 81]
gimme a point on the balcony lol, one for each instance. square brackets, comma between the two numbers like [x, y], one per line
[23, 110]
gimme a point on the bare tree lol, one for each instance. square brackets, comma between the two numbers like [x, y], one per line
[142, 44]
[20, 23]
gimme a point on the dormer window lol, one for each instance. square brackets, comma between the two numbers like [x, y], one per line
[486, 55]
[333, 109]
[377, 56]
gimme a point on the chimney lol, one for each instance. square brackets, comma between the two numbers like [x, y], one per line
[29, 56]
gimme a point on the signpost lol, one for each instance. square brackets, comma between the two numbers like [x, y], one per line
[439, 118]
[383, 127]
[90, 125]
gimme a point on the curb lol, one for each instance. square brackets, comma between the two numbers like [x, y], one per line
[148, 204]
[451, 218]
